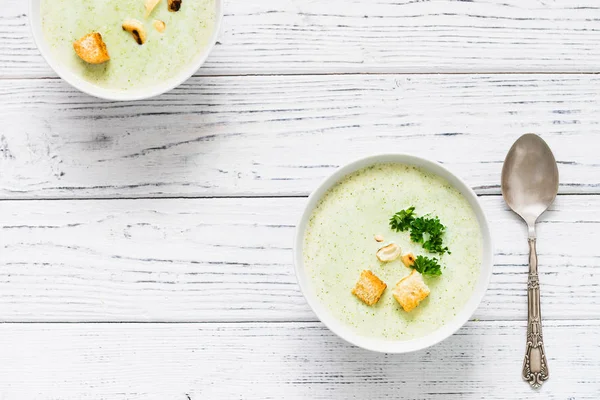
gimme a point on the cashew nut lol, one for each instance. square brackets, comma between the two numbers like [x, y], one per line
[159, 25]
[174, 5]
[150, 5]
[408, 259]
[389, 253]
[136, 28]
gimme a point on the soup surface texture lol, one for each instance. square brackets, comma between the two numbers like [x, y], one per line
[339, 243]
[131, 65]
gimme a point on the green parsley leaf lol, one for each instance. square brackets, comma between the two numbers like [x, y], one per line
[428, 232]
[427, 266]
[402, 220]
[424, 230]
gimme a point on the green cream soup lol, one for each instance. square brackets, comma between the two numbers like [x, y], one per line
[339, 243]
[163, 56]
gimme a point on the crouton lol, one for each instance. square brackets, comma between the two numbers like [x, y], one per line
[408, 259]
[410, 291]
[91, 48]
[369, 288]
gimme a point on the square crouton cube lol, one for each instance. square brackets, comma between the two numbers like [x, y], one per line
[91, 49]
[410, 291]
[369, 288]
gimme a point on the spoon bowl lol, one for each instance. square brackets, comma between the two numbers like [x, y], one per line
[529, 178]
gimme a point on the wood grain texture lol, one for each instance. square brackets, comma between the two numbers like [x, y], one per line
[284, 360]
[307, 36]
[231, 260]
[277, 135]
[217, 274]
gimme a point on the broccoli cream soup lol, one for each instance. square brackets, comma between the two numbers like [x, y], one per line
[341, 241]
[184, 35]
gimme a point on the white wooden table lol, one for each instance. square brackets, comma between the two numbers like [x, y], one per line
[145, 248]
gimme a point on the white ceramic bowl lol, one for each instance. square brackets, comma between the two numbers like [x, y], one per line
[386, 345]
[35, 21]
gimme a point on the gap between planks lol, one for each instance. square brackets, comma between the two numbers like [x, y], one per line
[336, 73]
[272, 321]
[217, 197]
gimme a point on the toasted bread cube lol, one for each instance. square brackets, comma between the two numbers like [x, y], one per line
[410, 291]
[408, 259]
[91, 48]
[369, 288]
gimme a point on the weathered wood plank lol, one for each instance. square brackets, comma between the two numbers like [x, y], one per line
[274, 135]
[284, 360]
[305, 36]
[230, 260]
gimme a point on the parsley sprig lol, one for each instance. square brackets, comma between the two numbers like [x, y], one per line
[428, 232]
[427, 266]
[424, 230]
[401, 221]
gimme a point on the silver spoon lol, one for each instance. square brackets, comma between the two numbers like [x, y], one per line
[529, 186]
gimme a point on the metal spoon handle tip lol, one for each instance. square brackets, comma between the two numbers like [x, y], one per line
[535, 366]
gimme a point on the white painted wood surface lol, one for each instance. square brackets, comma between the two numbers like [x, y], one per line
[145, 248]
[312, 36]
[281, 135]
[231, 260]
[301, 360]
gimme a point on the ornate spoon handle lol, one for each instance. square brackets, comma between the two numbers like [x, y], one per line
[535, 366]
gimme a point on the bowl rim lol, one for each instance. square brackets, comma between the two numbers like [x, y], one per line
[73, 79]
[379, 344]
